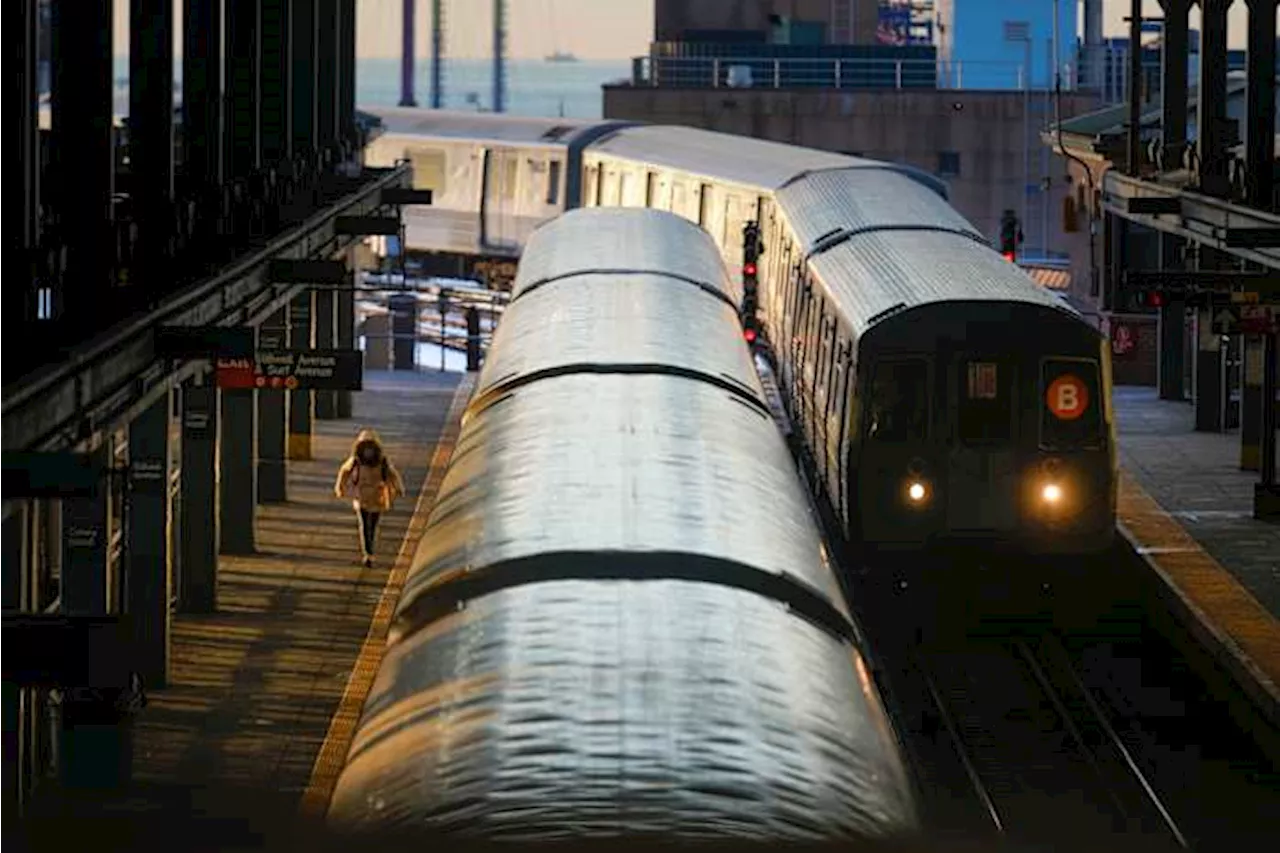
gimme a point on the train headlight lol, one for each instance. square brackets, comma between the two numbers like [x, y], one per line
[917, 492]
[1051, 493]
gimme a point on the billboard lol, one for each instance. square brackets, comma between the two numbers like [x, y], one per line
[905, 22]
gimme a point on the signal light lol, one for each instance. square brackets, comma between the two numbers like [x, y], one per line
[1151, 298]
[1009, 256]
[749, 269]
[749, 335]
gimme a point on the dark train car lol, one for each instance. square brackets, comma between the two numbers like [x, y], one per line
[620, 621]
[942, 395]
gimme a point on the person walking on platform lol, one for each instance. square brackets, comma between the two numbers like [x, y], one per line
[372, 483]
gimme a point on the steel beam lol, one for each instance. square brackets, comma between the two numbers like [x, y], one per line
[83, 157]
[1260, 147]
[324, 326]
[303, 24]
[1172, 325]
[1133, 160]
[86, 525]
[1173, 87]
[202, 82]
[100, 382]
[1211, 110]
[345, 332]
[151, 135]
[238, 472]
[20, 291]
[326, 73]
[406, 54]
[277, 84]
[244, 86]
[347, 70]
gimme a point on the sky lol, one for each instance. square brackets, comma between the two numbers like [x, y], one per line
[591, 29]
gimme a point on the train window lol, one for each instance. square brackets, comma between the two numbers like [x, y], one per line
[1071, 409]
[985, 413]
[428, 169]
[898, 408]
[553, 182]
[650, 187]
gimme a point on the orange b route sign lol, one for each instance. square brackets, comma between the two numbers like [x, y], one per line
[1067, 397]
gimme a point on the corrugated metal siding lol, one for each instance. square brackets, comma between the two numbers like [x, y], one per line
[874, 272]
[616, 238]
[853, 199]
[620, 320]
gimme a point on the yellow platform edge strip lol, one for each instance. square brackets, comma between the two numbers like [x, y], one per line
[1219, 602]
[342, 728]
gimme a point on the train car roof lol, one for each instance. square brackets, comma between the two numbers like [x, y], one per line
[832, 204]
[878, 275]
[620, 239]
[741, 160]
[478, 127]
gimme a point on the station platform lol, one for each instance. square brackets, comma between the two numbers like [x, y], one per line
[1187, 509]
[264, 695]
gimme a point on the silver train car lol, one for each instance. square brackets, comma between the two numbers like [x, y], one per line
[621, 621]
[867, 262]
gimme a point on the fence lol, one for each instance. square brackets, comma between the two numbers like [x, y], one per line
[825, 73]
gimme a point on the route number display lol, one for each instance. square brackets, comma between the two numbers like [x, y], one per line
[1067, 397]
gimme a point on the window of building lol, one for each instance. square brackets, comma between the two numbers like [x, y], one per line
[949, 164]
[428, 169]
[553, 182]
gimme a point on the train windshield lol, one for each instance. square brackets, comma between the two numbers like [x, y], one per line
[1071, 408]
[898, 410]
[985, 411]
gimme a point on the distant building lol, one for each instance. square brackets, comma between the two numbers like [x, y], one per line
[797, 21]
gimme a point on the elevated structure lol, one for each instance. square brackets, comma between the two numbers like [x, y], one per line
[162, 258]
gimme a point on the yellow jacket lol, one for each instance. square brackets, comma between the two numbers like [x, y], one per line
[371, 484]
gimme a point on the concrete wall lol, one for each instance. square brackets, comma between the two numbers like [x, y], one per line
[856, 24]
[980, 131]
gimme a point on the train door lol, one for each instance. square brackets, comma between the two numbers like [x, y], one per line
[895, 450]
[982, 492]
[501, 180]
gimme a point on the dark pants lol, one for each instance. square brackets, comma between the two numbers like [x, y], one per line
[368, 529]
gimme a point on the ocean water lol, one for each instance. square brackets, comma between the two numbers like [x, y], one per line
[534, 87]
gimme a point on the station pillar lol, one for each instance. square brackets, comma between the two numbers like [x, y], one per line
[1172, 323]
[377, 342]
[150, 576]
[273, 417]
[1252, 366]
[86, 526]
[301, 402]
[238, 465]
[325, 325]
[1211, 361]
[473, 339]
[346, 334]
[404, 331]
[200, 514]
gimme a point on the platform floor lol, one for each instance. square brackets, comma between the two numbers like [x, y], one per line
[254, 688]
[1188, 508]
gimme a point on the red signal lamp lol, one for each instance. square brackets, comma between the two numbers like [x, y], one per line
[1155, 299]
[749, 269]
[749, 335]
[1009, 256]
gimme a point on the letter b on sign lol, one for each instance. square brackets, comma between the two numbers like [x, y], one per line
[1067, 397]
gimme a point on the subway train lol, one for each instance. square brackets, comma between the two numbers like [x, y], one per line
[939, 395]
[620, 621]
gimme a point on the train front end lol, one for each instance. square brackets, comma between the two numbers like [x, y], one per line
[987, 425]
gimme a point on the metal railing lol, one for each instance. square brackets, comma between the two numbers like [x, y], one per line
[847, 73]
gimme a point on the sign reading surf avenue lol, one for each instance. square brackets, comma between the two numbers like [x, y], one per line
[317, 370]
